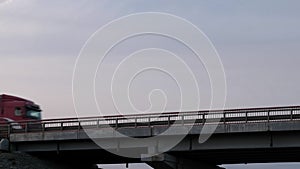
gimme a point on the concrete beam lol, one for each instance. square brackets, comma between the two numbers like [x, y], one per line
[289, 126]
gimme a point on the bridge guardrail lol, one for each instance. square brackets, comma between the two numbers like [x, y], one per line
[254, 115]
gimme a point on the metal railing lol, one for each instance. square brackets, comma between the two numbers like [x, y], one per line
[252, 115]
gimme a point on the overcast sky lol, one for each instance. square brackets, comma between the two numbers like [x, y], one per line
[258, 43]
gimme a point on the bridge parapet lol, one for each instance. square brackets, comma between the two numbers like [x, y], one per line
[232, 118]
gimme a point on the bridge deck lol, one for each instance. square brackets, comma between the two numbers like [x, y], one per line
[241, 135]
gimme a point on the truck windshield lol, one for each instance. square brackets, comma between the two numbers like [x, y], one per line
[33, 114]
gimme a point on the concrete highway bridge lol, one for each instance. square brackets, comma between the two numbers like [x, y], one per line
[255, 135]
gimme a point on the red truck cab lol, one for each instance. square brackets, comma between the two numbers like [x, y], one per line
[14, 109]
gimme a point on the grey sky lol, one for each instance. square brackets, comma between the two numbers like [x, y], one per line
[258, 42]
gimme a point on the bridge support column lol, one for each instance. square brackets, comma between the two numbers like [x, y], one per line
[165, 161]
[4, 144]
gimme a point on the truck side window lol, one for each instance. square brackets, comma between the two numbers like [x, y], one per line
[18, 111]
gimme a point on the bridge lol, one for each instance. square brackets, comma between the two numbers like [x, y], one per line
[253, 135]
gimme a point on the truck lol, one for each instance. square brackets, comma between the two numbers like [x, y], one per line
[14, 109]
